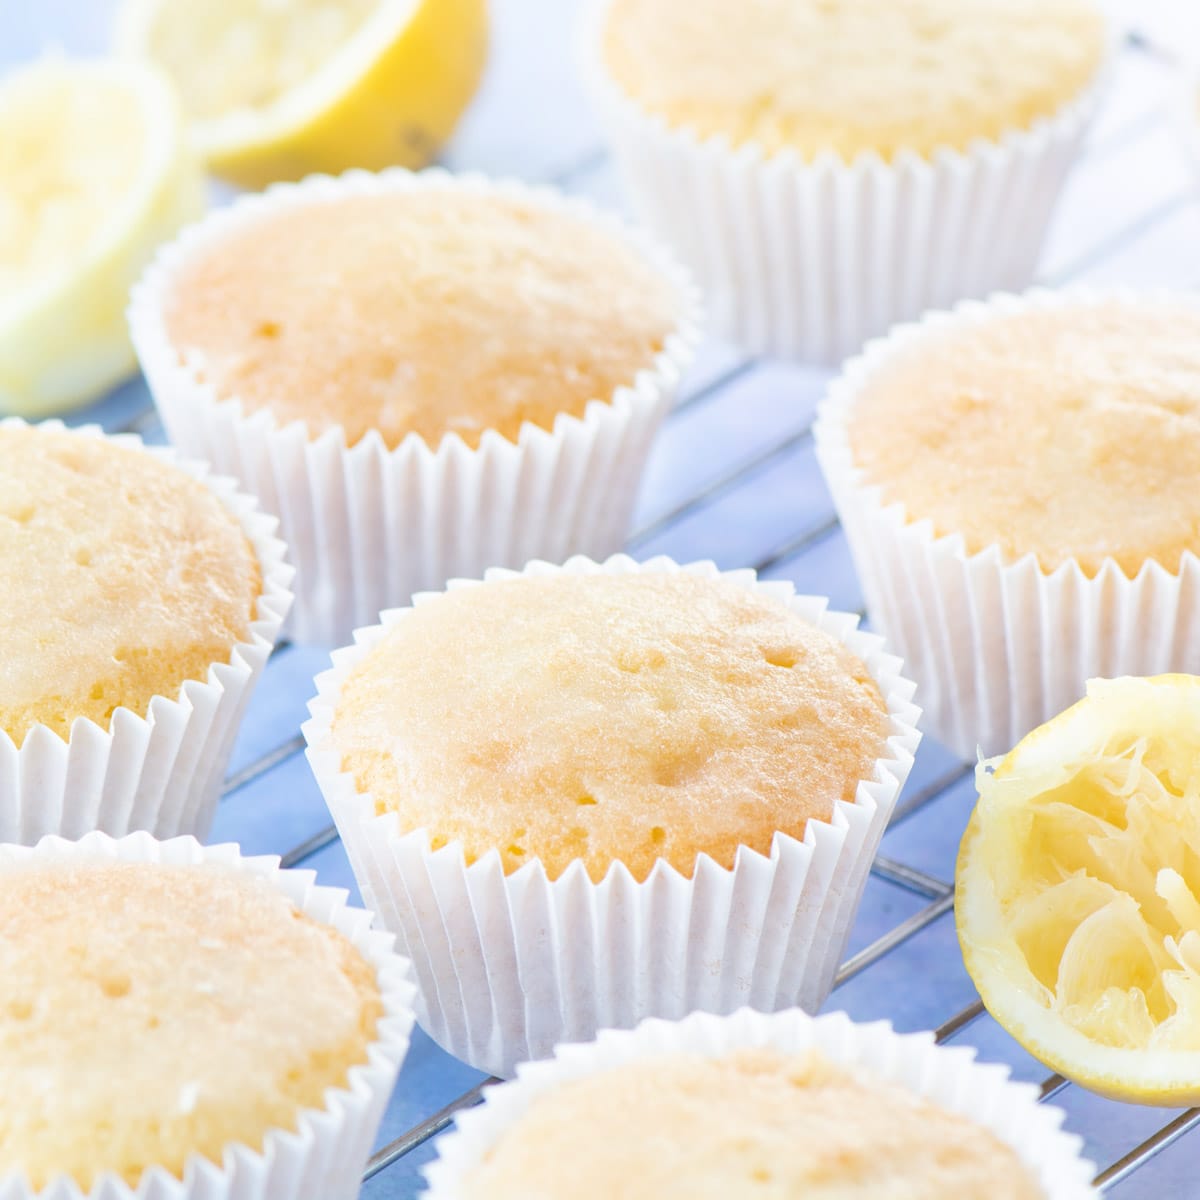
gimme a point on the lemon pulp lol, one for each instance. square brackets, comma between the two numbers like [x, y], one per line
[52, 204]
[95, 171]
[1079, 878]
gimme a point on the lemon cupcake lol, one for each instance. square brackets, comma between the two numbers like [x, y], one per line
[754, 1104]
[245, 1024]
[846, 164]
[422, 375]
[140, 600]
[1015, 481]
[587, 794]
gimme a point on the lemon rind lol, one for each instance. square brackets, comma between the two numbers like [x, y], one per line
[245, 131]
[1165, 1076]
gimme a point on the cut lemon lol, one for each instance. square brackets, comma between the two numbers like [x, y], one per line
[1078, 890]
[95, 171]
[279, 89]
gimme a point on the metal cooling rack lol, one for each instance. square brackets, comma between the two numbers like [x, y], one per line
[733, 478]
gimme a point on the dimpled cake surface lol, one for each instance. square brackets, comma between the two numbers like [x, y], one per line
[1070, 433]
[751, 1123]
[428, 311]
[608, 718]
[853, 76]
[150, 1012]
[122, 576]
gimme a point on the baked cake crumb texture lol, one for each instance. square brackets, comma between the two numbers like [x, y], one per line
[853, 76]
[430, 311]
[608, 718]
[149, 1011]
[1070, 433]
[751, 1123]
[121, 576]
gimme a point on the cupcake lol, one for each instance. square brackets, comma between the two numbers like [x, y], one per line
[140, 600]
[422, 375]
[242, 1025]
[585, 795]
[1016, 481]
[846, 163]
[750, 1104]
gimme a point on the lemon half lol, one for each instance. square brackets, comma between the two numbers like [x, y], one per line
[95, 171]
[279, 89]
[1078, 890]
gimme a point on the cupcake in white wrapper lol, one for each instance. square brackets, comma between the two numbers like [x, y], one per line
[159, 769]
[370, 519]
[510, 963]
[1089, 564]
[947, 1077]
[323, 1155]
[808, 252]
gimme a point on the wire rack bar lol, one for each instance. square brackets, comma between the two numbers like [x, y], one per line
[958, 1022]
[419, 1134]
[859, 962]
[716, 385]
[263, 764]
[796, 545]
[1156, 1143]
[938, 787]
[715, 488]
[908, 877]
[1127, 233]
[319, 840]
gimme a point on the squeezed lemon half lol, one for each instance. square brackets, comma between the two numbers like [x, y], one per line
[1078, 890]
[279, 89]
[95, 171]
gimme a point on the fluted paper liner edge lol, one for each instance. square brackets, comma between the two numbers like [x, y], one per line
[160, 770]
[323, 1158]
[949, 1077]
[809, 259]
[997, 646]
[509, 965]
[367, 527]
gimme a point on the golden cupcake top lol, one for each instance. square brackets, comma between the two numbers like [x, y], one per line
[753, 1122]
[608, 718]
[853, 76]
[150, 1012]
[121, 576]
[430, 311]
[1069, 433]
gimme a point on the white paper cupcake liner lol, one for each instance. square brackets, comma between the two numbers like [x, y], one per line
[324, 1156]
[160, 770]
[366, 526]
[809, 259]
[946, 1076]
[509, 965]
[997, 646]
